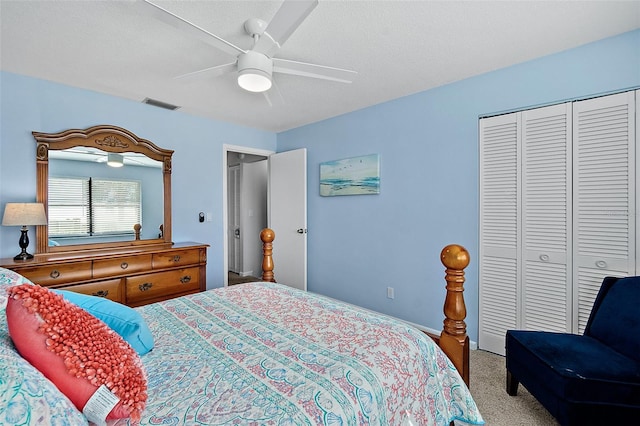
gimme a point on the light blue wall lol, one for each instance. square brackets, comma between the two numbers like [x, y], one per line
[428, 146]
[358, 245]
[28, 104]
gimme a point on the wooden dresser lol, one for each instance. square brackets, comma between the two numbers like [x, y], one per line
[132, 276]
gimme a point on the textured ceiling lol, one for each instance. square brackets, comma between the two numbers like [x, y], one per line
[397, 47]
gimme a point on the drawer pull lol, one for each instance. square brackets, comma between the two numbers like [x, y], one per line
[124, 265]
[185, 279]
[176, 258]
[145, 286]
[101, 293]
[54, 274]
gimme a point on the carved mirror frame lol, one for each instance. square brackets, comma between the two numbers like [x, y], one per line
[109, 139]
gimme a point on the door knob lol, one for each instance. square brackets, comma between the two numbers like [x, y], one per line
[301, 231]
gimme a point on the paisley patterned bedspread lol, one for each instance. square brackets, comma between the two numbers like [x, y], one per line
[266, 354]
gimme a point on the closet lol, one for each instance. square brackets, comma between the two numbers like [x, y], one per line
[558, 213]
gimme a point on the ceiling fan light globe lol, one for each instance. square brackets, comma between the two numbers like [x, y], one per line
[254, 80]
[115, 160]
[254, 71]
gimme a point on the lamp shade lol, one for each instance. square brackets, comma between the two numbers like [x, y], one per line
[22, 214]
[115, 160]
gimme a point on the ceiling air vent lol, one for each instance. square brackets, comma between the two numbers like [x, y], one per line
[159, 104]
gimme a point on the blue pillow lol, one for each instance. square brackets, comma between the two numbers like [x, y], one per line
[122, 319]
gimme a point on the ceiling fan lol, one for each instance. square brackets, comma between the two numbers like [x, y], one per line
[255, 67]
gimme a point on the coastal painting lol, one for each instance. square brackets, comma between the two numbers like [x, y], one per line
[350, 176]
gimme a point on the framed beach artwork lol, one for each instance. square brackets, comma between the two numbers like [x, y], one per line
[350, 176]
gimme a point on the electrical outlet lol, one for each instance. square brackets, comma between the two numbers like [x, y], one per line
[391, 294]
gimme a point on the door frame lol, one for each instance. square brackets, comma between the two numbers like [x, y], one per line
[234, 244]
[225, 205]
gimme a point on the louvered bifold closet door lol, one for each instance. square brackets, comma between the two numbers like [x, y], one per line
[499, 141]
[604, 193]
[546, 215]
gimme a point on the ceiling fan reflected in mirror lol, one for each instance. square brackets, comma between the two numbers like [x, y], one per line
[255, 67]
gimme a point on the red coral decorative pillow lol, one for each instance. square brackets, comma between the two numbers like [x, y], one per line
[79, 353]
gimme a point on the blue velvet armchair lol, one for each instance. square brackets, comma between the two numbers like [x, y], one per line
[589, 379]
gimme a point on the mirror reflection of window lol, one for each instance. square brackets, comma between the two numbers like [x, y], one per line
[68, 208]
[115, 206]
[88, 207]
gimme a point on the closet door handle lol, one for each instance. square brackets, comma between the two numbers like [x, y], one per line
[601, 264]
[544, 257]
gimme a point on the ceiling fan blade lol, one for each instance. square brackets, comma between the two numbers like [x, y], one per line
[188, 27]
[212, 71]
[286, 20]
[274, 96]
[312, 70]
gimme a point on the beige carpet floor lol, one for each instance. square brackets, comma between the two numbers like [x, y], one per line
[487, 385]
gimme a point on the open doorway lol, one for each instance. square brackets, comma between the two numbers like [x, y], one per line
[244, 211]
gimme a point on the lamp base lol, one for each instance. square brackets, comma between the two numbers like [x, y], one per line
[23, 256]
[23, 243]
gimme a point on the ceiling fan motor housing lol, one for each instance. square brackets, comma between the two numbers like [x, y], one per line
[254, 71]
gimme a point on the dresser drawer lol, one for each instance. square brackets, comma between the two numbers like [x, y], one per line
[109, 289]
[121, 266]
[161, 285]
[61, 273]
[176, 258]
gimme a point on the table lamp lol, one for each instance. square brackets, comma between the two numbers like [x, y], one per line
[23, 214]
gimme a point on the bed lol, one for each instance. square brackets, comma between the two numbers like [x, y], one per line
[266, 354]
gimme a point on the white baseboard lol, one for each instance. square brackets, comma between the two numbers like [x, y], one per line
[246, 273]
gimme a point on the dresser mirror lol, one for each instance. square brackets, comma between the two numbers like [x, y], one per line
[102, 187]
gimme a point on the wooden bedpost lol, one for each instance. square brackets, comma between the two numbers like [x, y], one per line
[267, 236]
[453, 339]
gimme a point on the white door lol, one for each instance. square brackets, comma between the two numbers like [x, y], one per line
[287, 216]
[499, 236]
[545, 217]
[604, 223]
